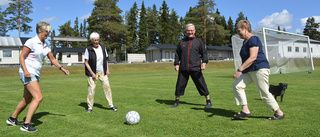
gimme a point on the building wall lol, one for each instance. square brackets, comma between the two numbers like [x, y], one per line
[14, 59]
[71, 57]
[168, 55]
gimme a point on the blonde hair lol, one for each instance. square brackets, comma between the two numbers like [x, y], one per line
[94, 35]
[43, 26]
[244, 24]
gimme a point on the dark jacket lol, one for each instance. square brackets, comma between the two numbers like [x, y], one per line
[93, 60]
[189, 54]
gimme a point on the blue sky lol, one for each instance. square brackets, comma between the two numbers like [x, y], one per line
[289, 14]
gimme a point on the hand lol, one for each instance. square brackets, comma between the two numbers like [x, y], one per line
[236, 75]
[203, 66]
[108, 73]
[65, 71]
[176, 68]
[27, 74]
[94, 76]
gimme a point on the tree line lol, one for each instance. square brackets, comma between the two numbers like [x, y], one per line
[137, 28]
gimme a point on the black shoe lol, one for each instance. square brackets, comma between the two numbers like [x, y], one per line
[13, 121]
[175, 105]
[28, 127]
[89, 110]
[114, 108]
[209, 105]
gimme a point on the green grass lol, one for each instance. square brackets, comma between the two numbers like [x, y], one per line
[149, 90]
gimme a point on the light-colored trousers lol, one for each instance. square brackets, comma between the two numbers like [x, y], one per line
[92, 86]
[261, 79]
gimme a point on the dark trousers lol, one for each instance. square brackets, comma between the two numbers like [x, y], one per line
[198, 80]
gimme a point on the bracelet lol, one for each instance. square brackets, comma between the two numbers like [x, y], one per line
[239, 70]
[60, 67]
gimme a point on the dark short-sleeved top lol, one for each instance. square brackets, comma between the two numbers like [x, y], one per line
[260, 62]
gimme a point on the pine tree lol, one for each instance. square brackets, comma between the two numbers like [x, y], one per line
[65, 31]
[106, 20]
[3, 24]
[132, 26]
[164, 22]
[240, 17]
[152, 21]
[174, 28]
[18, 19]
[311, 29]
[143, 38]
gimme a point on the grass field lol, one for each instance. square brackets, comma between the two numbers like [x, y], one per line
[149, 90]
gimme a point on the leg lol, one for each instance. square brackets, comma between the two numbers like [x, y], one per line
[182, 81]
[34, 89]
[107, 89]
[261, 79]
[239, 93]
[201, 85]
[91, 91]
[27, 97]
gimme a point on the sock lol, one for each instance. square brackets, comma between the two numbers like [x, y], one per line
[208, 101]
[177, 101]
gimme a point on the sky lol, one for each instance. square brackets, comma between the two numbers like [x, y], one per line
[288, 14]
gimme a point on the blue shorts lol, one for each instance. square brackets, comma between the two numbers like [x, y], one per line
[25, 80]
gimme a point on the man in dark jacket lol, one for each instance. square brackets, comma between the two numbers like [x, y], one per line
[190, 59]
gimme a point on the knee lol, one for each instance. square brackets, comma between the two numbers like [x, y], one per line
[38, 98]
[236, 86]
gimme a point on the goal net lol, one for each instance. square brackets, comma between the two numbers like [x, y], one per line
[286, 52]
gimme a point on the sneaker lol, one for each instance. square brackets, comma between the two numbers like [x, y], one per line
[13, 121]
[89, 110]
[28, 128]
[114, 108]
[175, 105]
[209, 105]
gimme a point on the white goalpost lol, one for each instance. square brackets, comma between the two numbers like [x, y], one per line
[286, 52]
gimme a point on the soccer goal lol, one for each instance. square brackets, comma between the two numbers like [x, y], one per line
[286, 52]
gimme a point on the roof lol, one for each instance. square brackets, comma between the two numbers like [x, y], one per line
[10, 41]
[69, 49]
[169, 46]
[161, 46]
[219, 48]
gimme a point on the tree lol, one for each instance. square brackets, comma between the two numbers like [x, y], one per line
[132, 26]
[106, 20]
[152, 21]
[207, 29]
[3, 24]
[76, 28]
[174, 28]
[311, 29]
[164, 21]
[240, 17]
[143, 29]
[65, 31]
[18, 19]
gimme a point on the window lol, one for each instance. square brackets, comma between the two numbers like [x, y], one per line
[7, 52]
[68, 55]
[297, 49]
[304, 49]
[289, 48]
[311, 50]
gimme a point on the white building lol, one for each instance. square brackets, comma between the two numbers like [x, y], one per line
[166, 52]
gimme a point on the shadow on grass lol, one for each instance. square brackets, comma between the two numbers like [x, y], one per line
[217, 111]
[37, 116]
[85, 106]
[171, 102]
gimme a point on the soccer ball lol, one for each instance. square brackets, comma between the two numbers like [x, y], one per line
[132, 117]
